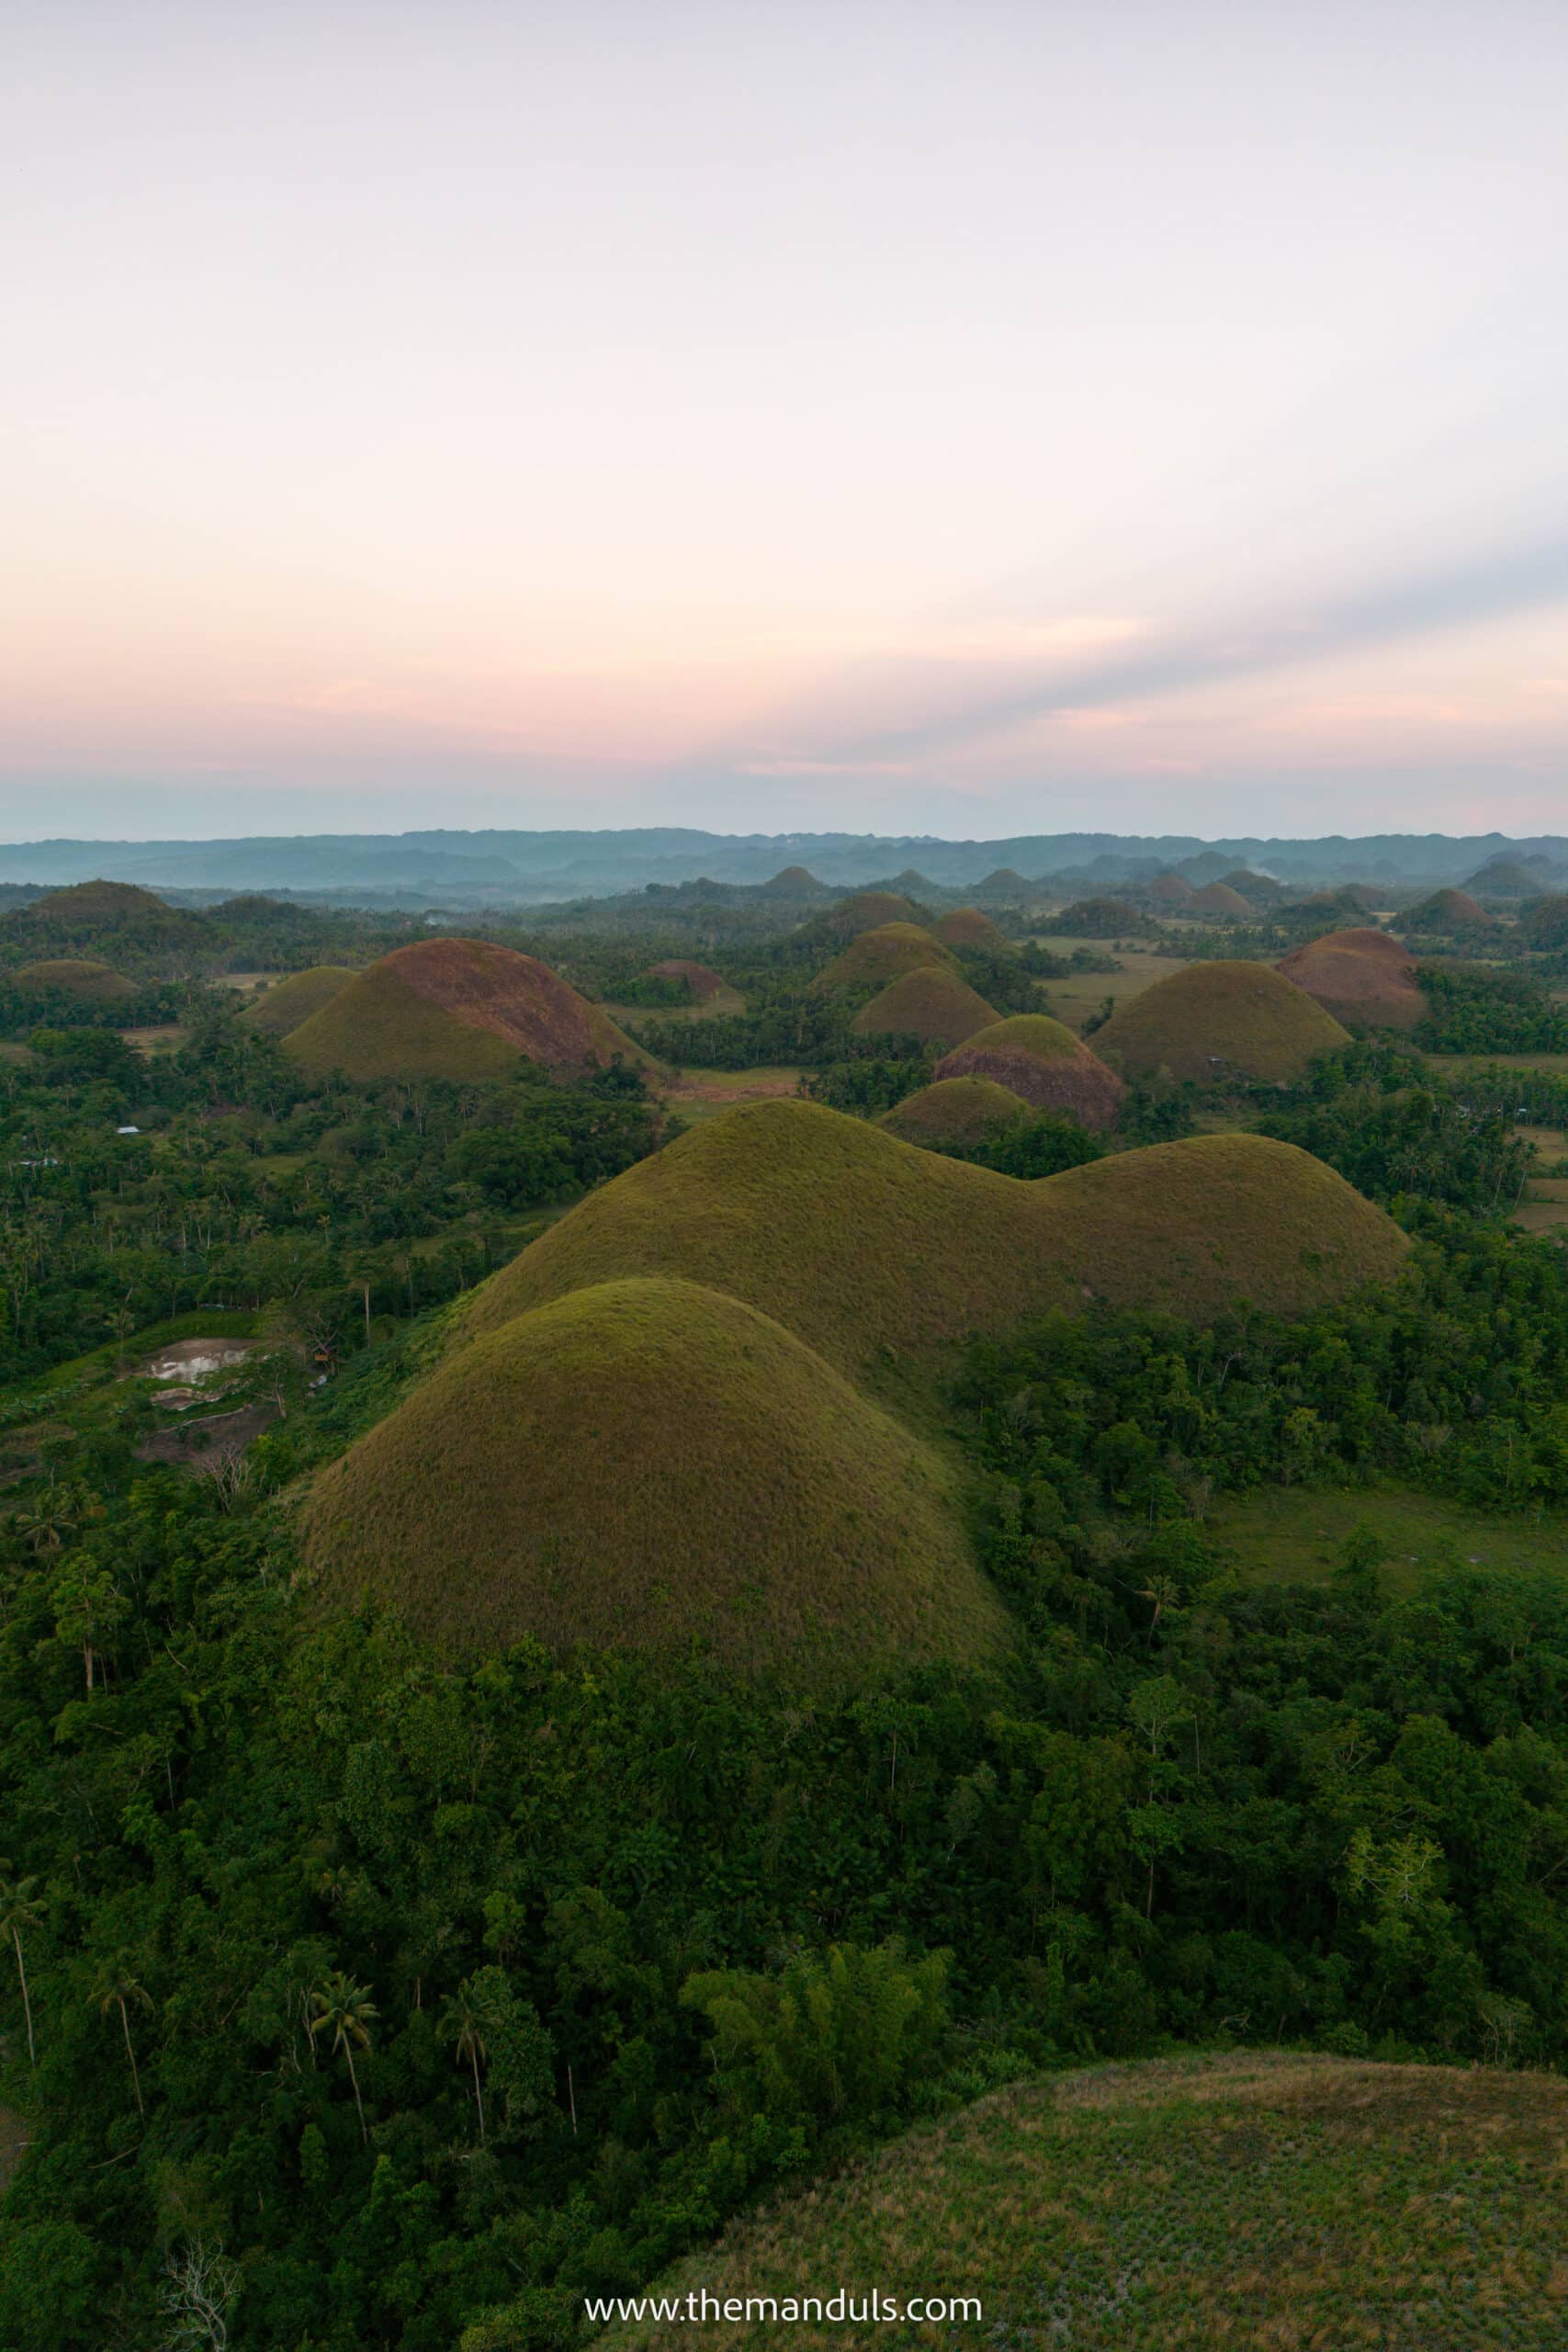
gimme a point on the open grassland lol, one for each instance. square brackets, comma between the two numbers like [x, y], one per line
[1209, 1020]
[1074, 999]
[1296, 1534]
[860, 1243]
[1251, 2204]
[697, 1094]
[1459, 1065]
[645, 1464]
[282, 1008]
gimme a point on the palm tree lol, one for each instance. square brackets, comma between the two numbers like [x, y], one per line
[19, 1909]
[462, 2021]
[48, 1522]
[344, 2010]
[117, 1989]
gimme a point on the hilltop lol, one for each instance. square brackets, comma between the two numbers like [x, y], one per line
[282, 1008]
[1212, 1020]
[865, 910]
[75, 976]
[1220, 898]
[1362, 976]
[931, 1003]
[646, 1463]
[1199, 2202]
[1171, 890]
[1040, 1059]
[458, 1009]
[793, 882]
[886, 953]
[1449, 910]
[857, 1241]
[118, 916]
[953, 1110]
[969, 927]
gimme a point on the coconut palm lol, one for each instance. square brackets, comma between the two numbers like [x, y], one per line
[343, 2011]
[118, 1988]
[462, 2022]
[19, 1909]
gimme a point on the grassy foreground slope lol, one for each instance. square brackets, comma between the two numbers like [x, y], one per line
[642, 1463]
[857, 1241]
[1260, 2202]
[1213, 1019]
[457, 1009]
[289, 1003]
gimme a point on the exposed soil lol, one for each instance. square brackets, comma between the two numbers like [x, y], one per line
[189, 1360]
[216, 1438]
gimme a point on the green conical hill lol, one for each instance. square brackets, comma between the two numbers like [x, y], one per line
[78, 976]
[931, 1003]
[865, 910]
[968, 927]
[954, 1110]
[283, 1007]
[874, 958]
[1212, 1021]
[857, 1241]
[643, 1463]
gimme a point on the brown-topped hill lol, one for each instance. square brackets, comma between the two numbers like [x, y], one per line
[1449, 910]
[458, 1009]
[284, 1007]
[1171, 890]
[931, 1003]
[792, 882]
[74, 976]
[1219, 899]
[701, 982]
[1214, 1021]
[866, 910]
[968, 927]
[1362, 976]
[1039, 1059]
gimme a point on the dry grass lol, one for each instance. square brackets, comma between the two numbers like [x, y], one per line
[967, 927]
[866, 910]
[858, 1242]
[955, 1109]
[874, 958]
[1040, 1060]
[1253, 2203]
[458, 1009]
[646, 1463]
[932, 1004]
[289, 1003]
[1362, 976]
[1220, 898]
[75, 976]
[1208, 1022]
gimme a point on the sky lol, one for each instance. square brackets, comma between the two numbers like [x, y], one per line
[956, 416]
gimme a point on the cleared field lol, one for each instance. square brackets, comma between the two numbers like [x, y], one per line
[696, 1095]
[723, 1000]
[1082, 993]
[1455, 1064]
[166, 1037]
[1253, 2202]
[1295, 1534]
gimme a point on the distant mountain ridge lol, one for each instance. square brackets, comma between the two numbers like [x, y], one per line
[520, 867]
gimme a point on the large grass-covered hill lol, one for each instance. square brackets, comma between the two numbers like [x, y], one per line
[931, 1003]
[1041, 1059]
[1361, 976]
[1213, 1019]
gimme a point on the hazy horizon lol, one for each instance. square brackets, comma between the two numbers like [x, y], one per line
[969, 420]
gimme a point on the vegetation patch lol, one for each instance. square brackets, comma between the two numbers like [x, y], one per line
[1258, 2200]
[644, 1464]
[457, 1009]
[282, 1008]
[858, 1242]
[1304, 1534]
[1042, 1061]
[932, 1004]
[1215, 1021]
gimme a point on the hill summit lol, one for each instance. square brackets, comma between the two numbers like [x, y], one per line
[458, 1009]
[1362, 976]
[1041, 1059]
[1218, 1019]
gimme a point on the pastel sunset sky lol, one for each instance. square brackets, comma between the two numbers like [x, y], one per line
[955, 415]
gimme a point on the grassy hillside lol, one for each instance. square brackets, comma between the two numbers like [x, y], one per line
[865, 910]
[458, 1009]
[932, 1004]
[78, 976]
[857, 1241]
[1261, 2202]
[967, 927]
[874, 958]
[954, 1110]
[1220, 898]
[1040, 1059]
[1448, 910]
[289, 1003]
[644, 1463]
[1363, 978]
[1209, 1020]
